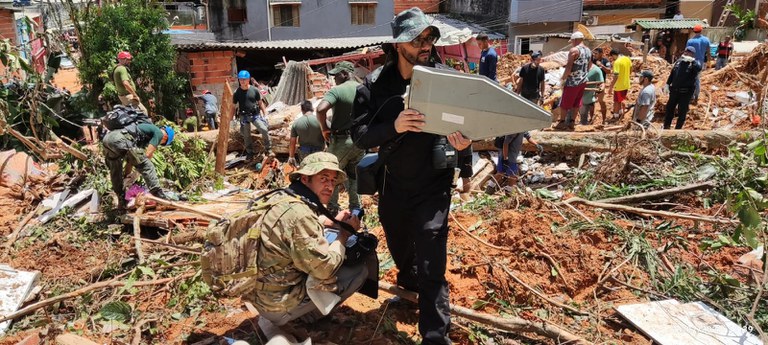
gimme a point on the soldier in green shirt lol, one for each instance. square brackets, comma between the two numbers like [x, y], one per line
[305, 132]
[126, 89]
[340, 98]
[294, 254]
[136, 144]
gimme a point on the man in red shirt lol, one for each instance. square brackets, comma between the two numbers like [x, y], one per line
[724, 50]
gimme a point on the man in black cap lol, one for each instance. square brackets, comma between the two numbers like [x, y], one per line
[531, 83]
[681, 83]
[415, 180]
[646, 101]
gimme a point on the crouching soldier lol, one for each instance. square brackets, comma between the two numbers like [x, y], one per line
[136, 144]
[295, 256]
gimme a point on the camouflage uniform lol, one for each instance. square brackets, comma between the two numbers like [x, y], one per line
[293, 247]
[121, 144]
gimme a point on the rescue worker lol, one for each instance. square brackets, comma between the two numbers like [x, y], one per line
[681, 84]
[137, 146]
[126, 89]
[340, 98]
[250, 110]
[211, 108]
[306, 134]
[295, 250]
[414, 183]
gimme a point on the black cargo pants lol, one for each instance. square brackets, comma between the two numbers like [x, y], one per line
[416, 227]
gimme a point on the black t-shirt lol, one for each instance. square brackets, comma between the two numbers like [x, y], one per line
[532, 78]
[409, 167]
[605, 63]
[247, 101]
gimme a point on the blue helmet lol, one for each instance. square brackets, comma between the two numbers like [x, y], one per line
[171, 134]
[243, 75]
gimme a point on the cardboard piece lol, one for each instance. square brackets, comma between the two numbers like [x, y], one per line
[670, 322]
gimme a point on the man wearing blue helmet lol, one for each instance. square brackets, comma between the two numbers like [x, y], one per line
[250, 110]
[136, 144]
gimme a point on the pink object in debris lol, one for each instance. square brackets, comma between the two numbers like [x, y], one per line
[134, 191]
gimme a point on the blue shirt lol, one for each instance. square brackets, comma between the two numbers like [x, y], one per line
[488, 59]
[701, 43]
[211, 103]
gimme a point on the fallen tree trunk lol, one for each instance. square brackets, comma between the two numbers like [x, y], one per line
[582, 142]
[235, 143]
[631, 199]
[642, 211]
[508, 324]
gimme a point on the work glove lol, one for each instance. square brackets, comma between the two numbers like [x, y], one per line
[665, 90]
[292, 161]
[328, 285]
[540, 149]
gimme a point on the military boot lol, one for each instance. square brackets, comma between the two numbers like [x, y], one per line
[158, 192]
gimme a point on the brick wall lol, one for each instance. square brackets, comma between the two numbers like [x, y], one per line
[428, 6]
[210, 67]
[620, 3]
[7, 25]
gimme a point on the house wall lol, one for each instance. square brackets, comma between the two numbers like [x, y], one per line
[719, 5]
[541, 11]
[697, 9]
[318, 19]
[478, 8]
[8, 25]
[621, 3]
[428, 6]
[517, 30]
[209, 67]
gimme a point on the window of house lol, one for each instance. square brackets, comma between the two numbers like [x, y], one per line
[363, 14]
[236, 15]
[285, 15]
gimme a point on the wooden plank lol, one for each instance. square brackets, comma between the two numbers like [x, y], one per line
[156, 222]
[227, 113]
[71, 339]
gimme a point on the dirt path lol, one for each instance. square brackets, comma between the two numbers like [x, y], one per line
[69, 79]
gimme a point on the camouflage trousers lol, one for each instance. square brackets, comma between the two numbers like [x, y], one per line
[349, 155]
[119, 145]
[350, 278]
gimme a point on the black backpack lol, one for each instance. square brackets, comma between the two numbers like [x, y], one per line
[125, 117]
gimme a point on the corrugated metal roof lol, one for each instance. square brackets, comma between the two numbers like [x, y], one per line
[206, 41]
[305, 44]
[663, 24]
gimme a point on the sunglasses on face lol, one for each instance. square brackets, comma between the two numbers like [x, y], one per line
[419, 42]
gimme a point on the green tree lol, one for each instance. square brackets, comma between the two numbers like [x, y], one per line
[134, 26]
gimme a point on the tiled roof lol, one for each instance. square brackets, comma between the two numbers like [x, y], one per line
[663, 24]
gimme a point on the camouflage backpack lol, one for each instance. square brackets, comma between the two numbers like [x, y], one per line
[229, 258]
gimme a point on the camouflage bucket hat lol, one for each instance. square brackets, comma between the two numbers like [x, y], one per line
[317, 162]
[342, 66]
[409, 24]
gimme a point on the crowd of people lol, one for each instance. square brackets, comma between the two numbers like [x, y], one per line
[592, 75]
[415, 172]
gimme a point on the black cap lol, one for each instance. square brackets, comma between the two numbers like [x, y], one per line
[646, 74]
